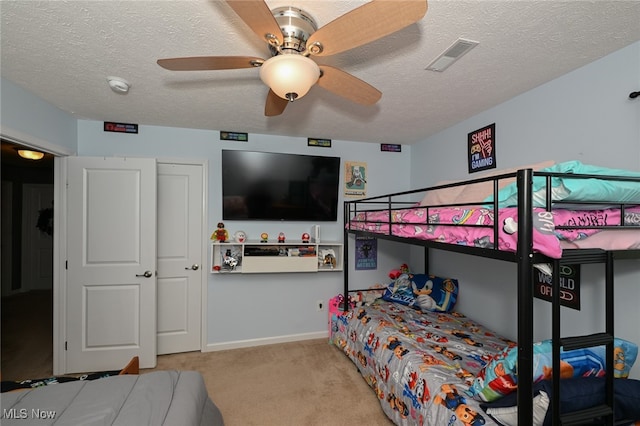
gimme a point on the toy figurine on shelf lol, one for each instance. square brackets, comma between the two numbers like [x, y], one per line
[229, 261]
[264, 237]
[327, 258]
[221, 235]
[305, 237]
[281, 237]
[240, 236]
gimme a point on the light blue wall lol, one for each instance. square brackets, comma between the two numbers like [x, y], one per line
[240, 307]
[584, 115]
[259, 306]
[28, 118]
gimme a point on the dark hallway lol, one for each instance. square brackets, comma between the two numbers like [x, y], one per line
[26, 309]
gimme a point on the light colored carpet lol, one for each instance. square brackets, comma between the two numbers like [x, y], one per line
[299, 384]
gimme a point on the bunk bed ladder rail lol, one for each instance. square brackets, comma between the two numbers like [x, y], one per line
[605, 410]
[524, 179]
[345, 255]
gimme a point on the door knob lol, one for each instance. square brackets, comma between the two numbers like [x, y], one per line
[147, 274]
[195, 267]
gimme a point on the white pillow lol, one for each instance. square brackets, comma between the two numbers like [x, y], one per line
[508, 416]
[476, 192]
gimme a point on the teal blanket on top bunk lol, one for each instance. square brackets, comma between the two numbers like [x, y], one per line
[579, 189]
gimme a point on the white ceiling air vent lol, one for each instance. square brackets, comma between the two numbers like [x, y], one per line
[452, 54]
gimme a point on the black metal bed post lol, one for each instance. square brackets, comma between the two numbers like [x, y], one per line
[609, 329]
[555, 341]
[525, 296]
[427, 269]
[345, 255]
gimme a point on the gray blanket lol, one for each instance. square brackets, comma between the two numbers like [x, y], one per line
[164, 398]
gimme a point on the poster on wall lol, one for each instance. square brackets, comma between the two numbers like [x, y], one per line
[366, 253]
[569, 286]
[322, 143]
[234, 136]
[110, 126]
[482, 149]
[355, 179]
[390, 147]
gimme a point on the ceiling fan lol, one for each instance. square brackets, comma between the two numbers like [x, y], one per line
[292, 36]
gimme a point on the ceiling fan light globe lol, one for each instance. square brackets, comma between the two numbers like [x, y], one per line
[290, 76]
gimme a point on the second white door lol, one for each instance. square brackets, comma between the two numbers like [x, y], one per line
[180, 257]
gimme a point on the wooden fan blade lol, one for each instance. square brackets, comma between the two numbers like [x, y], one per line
[205, 63]
[365, 24]
[256, 14]
[275, 105]
[344, 84]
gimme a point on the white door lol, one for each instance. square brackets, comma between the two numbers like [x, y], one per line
[111, 255]
[37, 242]
[180, 257]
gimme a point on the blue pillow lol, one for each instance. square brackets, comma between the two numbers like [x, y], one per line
[424, 292]
[568, 189]
[434, 293]
[400, 291]
[500, 376]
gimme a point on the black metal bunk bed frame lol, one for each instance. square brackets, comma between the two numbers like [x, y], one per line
[526, 258]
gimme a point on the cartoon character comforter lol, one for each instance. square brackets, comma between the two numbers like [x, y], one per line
[420, 364]
[473, 226]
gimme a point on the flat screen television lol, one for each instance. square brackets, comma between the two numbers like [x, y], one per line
[275, 186]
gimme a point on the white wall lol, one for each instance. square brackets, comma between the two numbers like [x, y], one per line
[259, 306]
[584, 115]
[25, 117]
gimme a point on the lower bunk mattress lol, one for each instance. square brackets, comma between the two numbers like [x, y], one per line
[420, 364]
[435, 368]
[165, 398]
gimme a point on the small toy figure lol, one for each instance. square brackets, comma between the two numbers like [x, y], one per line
[240, 236]
[330, 260]
[264, 237]
[305, 238]
[281, 237]
[230, 262]
[327, 258]
[220, 234]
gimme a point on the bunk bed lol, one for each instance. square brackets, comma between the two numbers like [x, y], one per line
[565, 214]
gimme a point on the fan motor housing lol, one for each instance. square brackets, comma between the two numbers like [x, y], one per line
[296, 25]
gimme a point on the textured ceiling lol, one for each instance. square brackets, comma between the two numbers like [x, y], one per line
[63, 51]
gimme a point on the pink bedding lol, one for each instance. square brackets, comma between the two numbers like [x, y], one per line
[474, 227]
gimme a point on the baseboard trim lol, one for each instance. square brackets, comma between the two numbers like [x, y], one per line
[236, 344]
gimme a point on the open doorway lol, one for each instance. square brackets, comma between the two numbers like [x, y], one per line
[27, 264]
